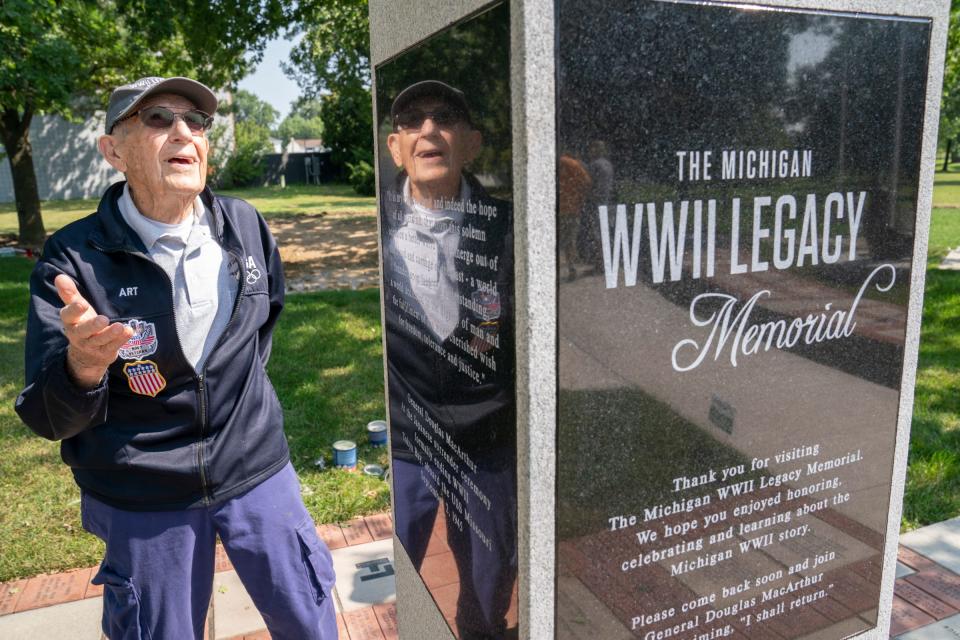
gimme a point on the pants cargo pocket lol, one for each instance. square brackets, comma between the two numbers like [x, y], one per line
[316, 560]
[121, 606]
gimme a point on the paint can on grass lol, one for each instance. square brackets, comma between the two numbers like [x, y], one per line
[345, 454]
[377, 433]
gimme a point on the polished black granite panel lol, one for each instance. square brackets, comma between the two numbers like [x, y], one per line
[737, 208]
[447, 235]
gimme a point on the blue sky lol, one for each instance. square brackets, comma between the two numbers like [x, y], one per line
[269, 82]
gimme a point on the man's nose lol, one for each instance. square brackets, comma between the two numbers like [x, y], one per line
[428, 126]
[180, 130]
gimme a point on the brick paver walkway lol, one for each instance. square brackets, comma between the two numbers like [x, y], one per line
[54, 593]
[925, 594]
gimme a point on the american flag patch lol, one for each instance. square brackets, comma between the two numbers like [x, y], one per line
[144, 377]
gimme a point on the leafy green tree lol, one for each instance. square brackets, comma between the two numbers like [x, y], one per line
[304, 121]
[253, 120]
[245, 165]
[248, 107]
[64, 56]
[332, 63]
[950, 98]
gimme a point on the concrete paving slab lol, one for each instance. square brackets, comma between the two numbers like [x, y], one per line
[939, 542]
[234, 613]
[951, 262]
[903, 570]
[78, 620]
[365, 574]
[947, 628]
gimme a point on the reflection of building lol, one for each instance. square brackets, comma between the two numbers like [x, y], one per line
[298, 145]
[67, 162]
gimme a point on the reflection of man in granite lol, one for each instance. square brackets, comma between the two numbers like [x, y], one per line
[448, 302]
[433, 139]
[601, 173]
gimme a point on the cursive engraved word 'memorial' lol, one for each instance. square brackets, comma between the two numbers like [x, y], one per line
[731, 328]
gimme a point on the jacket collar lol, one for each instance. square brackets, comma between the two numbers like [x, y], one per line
[112, 233]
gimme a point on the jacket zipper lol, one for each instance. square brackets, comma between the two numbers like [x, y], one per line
[201, 385]
[202, 389]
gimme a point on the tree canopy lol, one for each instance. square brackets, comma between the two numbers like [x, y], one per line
[332, 64]
[950, 98]
[64, 57]
[248, 107]
[304, 121]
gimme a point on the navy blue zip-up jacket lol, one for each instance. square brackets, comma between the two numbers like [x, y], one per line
[208, 435]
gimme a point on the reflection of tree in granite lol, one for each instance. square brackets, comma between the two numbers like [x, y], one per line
[742, 82]
[466, 59]
[856, 78]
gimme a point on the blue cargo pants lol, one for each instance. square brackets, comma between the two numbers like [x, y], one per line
[157, 572]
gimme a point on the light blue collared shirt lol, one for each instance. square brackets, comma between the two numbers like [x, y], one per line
[199, 270]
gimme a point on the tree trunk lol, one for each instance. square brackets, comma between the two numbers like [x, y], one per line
[946, 156]
[15, 131]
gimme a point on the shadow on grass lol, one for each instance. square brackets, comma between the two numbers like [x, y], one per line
[327, 369]
[14, 300]
[932, 492]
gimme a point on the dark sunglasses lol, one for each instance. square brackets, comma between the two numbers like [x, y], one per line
[413, 119]
[162, 118]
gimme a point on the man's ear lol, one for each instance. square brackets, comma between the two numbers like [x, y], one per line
[393, 143]
[109, 146]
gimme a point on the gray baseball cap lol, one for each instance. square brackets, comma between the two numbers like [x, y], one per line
[124, 99]
[432, 89]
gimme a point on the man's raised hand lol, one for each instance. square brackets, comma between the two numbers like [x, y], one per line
[94, 342]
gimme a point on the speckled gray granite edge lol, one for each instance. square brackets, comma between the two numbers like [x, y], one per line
[534, 171]
[395, 26]
[939, 11]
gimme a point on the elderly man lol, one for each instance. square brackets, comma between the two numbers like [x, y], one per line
[147, 341]
[448, 279]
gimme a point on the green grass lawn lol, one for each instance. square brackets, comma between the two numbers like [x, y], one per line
[933, 476]
[270, 201]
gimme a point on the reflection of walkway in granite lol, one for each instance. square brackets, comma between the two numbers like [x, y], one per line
[780, 389]
[66, 605]
[926, 604]
[850, 579]
[770, 395]
[441, 577]
[794, 295]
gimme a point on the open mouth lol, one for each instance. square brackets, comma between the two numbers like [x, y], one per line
[427, 155]
[184, 160]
